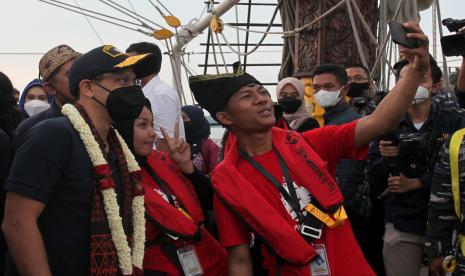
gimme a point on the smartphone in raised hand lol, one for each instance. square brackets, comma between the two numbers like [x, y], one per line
[399, 35]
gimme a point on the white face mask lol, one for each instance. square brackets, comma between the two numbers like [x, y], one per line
[34, 107]
[421, 96]
[327, 98]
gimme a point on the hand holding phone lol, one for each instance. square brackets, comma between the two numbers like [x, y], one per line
[418, 58]
[399, 35]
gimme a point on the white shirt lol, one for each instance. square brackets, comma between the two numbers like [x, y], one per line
[418, 125]
[166, 107]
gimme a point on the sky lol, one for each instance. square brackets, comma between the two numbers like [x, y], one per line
[30, 27]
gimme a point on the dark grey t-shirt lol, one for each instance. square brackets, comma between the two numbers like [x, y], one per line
[52, 166]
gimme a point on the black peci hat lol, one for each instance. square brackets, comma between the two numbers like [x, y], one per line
[212, 92]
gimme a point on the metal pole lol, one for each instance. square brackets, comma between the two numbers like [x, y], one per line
[445, 70]
[207, 51]
[433, 9]
[247, 34]
[191, 31]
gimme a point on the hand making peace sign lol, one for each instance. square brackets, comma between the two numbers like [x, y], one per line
[179, 150]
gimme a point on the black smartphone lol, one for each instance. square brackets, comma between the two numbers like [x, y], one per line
[453, 45]
[399, 35]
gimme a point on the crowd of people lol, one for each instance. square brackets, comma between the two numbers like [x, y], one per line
[103, 171]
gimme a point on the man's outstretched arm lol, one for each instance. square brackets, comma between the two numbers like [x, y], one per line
[393, 107]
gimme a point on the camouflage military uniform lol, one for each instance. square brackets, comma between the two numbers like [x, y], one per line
[448, 100]
[442, 219]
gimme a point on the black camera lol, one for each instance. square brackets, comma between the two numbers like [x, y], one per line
[365, 105]
[415, 153]
[392, 163]
[453, 25]
[453, 45]
[413, 143]
[362, 105]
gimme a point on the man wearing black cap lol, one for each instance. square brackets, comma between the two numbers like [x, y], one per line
[71, 194]
[279, 185]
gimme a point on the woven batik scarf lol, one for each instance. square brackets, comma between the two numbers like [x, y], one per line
[103, 256]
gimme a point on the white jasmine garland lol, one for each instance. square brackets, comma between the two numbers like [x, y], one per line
[130, 159]
[91, 145]
[115, 223]
[138, 208]
[138, 232]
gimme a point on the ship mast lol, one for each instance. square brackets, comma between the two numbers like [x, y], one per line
[190, 31]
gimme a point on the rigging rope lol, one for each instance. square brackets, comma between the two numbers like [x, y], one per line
[90, 11]
[90, 23]
[388, 35]
[176, 69]
[214, 56]
[367, 29]
[221, 52]
[175, 73]
[237, 33]
[296, 30]
[163, 6]
[127, 14]
[275, 12]
[134, 10]
[62, 6]
[444, 60]
[390, 59]
[356, 35]
[157, 8]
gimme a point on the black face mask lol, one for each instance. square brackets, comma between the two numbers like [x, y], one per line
[189, 129]
[290, 104]
[124, 103]
[357, 89]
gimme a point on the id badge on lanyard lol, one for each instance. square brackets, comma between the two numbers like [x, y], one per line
[320, 266]
[189, 261]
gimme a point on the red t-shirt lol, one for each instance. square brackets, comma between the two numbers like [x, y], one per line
[332, 143]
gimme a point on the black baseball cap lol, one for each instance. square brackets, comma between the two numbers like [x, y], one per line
[104, 59]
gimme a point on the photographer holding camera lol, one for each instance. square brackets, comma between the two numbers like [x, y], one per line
[361, 90]
[406, 163]
[452, 46]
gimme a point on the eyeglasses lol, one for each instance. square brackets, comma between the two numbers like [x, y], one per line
[123, 80]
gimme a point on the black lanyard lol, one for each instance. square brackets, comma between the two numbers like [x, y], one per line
[163, 187]
[291, 196]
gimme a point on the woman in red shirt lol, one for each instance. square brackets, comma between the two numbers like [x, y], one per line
[176, 240]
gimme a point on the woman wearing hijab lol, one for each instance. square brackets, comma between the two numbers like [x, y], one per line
[204, 152]
[176, 240]
[290, 94]
[34, 99]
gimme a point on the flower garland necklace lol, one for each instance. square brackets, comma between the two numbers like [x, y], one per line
[107, 188]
